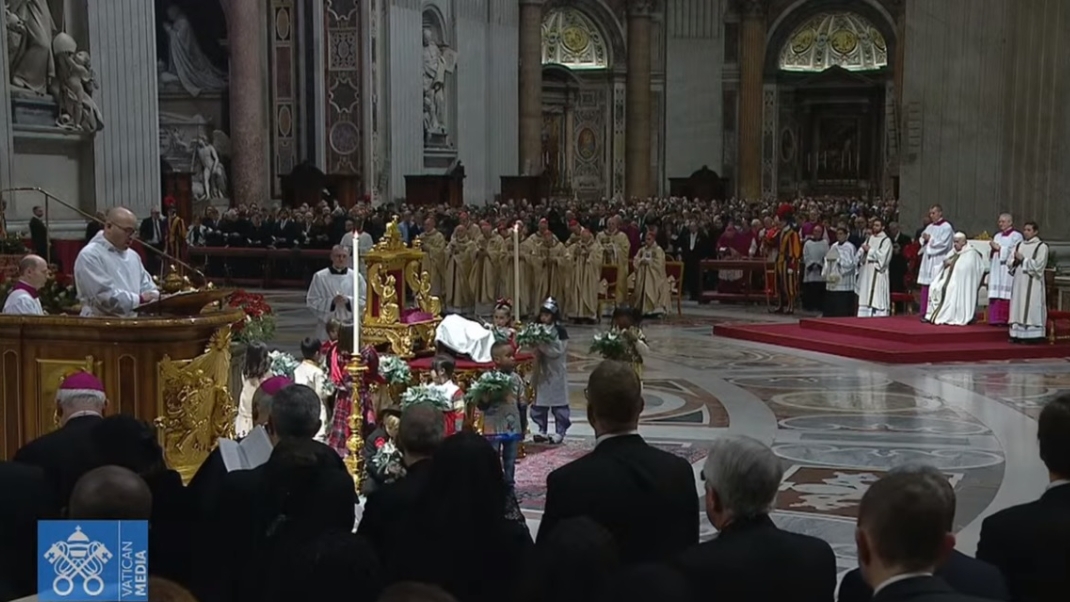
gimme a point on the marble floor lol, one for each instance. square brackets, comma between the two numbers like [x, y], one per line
[838, 424]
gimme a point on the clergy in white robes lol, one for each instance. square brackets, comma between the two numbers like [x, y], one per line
[364, 245]
[23, 299]
[109, 276]
[935, 248]
[953, 295]
[1029, 308]
[330, 296]
[873, 286]
[840, 270]
[999, 273]
[813, 261]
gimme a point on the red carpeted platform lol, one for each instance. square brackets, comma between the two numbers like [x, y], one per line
[892, 340]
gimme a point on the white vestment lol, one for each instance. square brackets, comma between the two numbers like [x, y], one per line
[841, 263]
[953, 295]
[21, 302]
[313, 377]
[364, 244]
[814, 252]
[465, 336]
[322, 292]
[110, 282]
[1029, 308]
[874, 292]
[934, 252]
[999, 275]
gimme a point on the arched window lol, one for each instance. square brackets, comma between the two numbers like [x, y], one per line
[570, 38]
[842, 39]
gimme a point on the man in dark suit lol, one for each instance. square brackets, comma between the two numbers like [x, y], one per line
[742, 479]
[624, 478]
[39, 234]
[694, 247]
[153, 231]
[419, 434]
[25, 498]
[964, 574]
[1030, 543]
[902, 537]
[68, 452]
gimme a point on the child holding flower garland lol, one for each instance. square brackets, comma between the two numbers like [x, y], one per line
[551, 378]
[442, 368]
[502, 420]
[626, 321]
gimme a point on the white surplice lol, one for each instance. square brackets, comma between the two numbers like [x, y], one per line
[312, 376]
[110, 282]
[326, 285]
[814, 252]
[21, 302]
[1029, 309]
[841, 264]
[953, 295]
[999, 274]
[874, 291]
[934, 252]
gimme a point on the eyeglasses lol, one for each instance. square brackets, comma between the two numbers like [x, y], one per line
[128, 231]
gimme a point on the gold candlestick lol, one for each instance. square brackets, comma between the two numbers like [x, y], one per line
[354, 461]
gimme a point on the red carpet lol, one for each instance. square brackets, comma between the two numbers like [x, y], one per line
[892, 340]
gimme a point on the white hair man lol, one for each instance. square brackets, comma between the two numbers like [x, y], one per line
[23, 299]
[742, 478]
[330, 296]
[999, 274]
[953, 295]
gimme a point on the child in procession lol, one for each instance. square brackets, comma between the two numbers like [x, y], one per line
[502, 424]
[551, 379]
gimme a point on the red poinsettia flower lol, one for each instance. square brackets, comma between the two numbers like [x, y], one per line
[379, 443]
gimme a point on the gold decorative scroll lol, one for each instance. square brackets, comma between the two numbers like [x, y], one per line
[196, 408]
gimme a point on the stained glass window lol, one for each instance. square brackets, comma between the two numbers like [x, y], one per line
[843, 39]
[570, 38]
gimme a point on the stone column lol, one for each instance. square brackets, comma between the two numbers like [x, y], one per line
[637, 102]
[6, 141]
[248, 122]
[900, 13]
[752, 66]
[530, 96]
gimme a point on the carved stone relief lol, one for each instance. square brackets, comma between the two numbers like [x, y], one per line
[439, 63]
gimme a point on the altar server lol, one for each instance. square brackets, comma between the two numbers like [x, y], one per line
[23, 300]
[873, 286]
[110, 278]
[953, 296]
[999, 274]
[935, 248]
[1029, 309]
[330, 296]
[841, 265]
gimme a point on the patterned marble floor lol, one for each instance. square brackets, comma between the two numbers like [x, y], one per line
[838, 424]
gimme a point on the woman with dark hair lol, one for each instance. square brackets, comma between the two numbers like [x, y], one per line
[255, 370]
[465, 533]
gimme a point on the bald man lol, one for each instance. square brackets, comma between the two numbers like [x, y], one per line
[110, 278]
[110, 493]
[330, 296]
[23, 300]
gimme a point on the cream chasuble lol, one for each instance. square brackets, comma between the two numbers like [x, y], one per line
[506, 269]
[586, 276]
[651, 294]
[483, 280]
[434, 261]
[953, 295]
[459, 252]
[1029, 309]
[550, 267]
[616, 250]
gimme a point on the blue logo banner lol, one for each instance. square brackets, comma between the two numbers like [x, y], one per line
[93, 561]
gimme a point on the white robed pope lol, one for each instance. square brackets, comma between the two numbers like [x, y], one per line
[953, 295]
[110, 278]
[330, 296]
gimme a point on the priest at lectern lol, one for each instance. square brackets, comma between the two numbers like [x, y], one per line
[330, 296]
[110, 278]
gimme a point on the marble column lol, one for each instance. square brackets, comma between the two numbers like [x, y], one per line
[126, 153]
[530, 87]
[900, 14]
[638, 102]
[752, 66]
[248, 120]
[6, 141]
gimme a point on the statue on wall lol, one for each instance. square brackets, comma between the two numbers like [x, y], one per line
[209, 177]
[187, 65]
[438, 60]
[30, 48]
[76, 82]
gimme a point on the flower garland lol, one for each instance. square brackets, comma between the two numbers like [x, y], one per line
[492, 386]
[281, 363]
[426, 394]
[394, 370]
[259, 323]
[610, 345]
[535, 334]
[387, 461]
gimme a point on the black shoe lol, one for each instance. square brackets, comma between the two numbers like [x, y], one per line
[540, 438]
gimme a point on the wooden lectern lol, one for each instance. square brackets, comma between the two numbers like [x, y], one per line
[172, 370]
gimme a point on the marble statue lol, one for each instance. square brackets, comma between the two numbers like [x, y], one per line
[209, 177]
[30, 58]
[438, 60]
[187, 64]
[76, 82]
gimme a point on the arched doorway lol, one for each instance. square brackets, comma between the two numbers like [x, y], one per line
[829, 122]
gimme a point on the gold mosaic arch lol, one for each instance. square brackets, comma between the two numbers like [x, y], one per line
[836, 39]
[572, 39]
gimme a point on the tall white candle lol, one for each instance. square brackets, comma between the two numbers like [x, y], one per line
[516, 271]
[356, 293]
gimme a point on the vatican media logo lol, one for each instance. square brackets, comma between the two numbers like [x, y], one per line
[93, 561]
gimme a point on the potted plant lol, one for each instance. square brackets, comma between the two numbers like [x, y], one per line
[11, 252]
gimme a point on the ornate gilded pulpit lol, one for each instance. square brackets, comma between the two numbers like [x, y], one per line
[395, 274]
